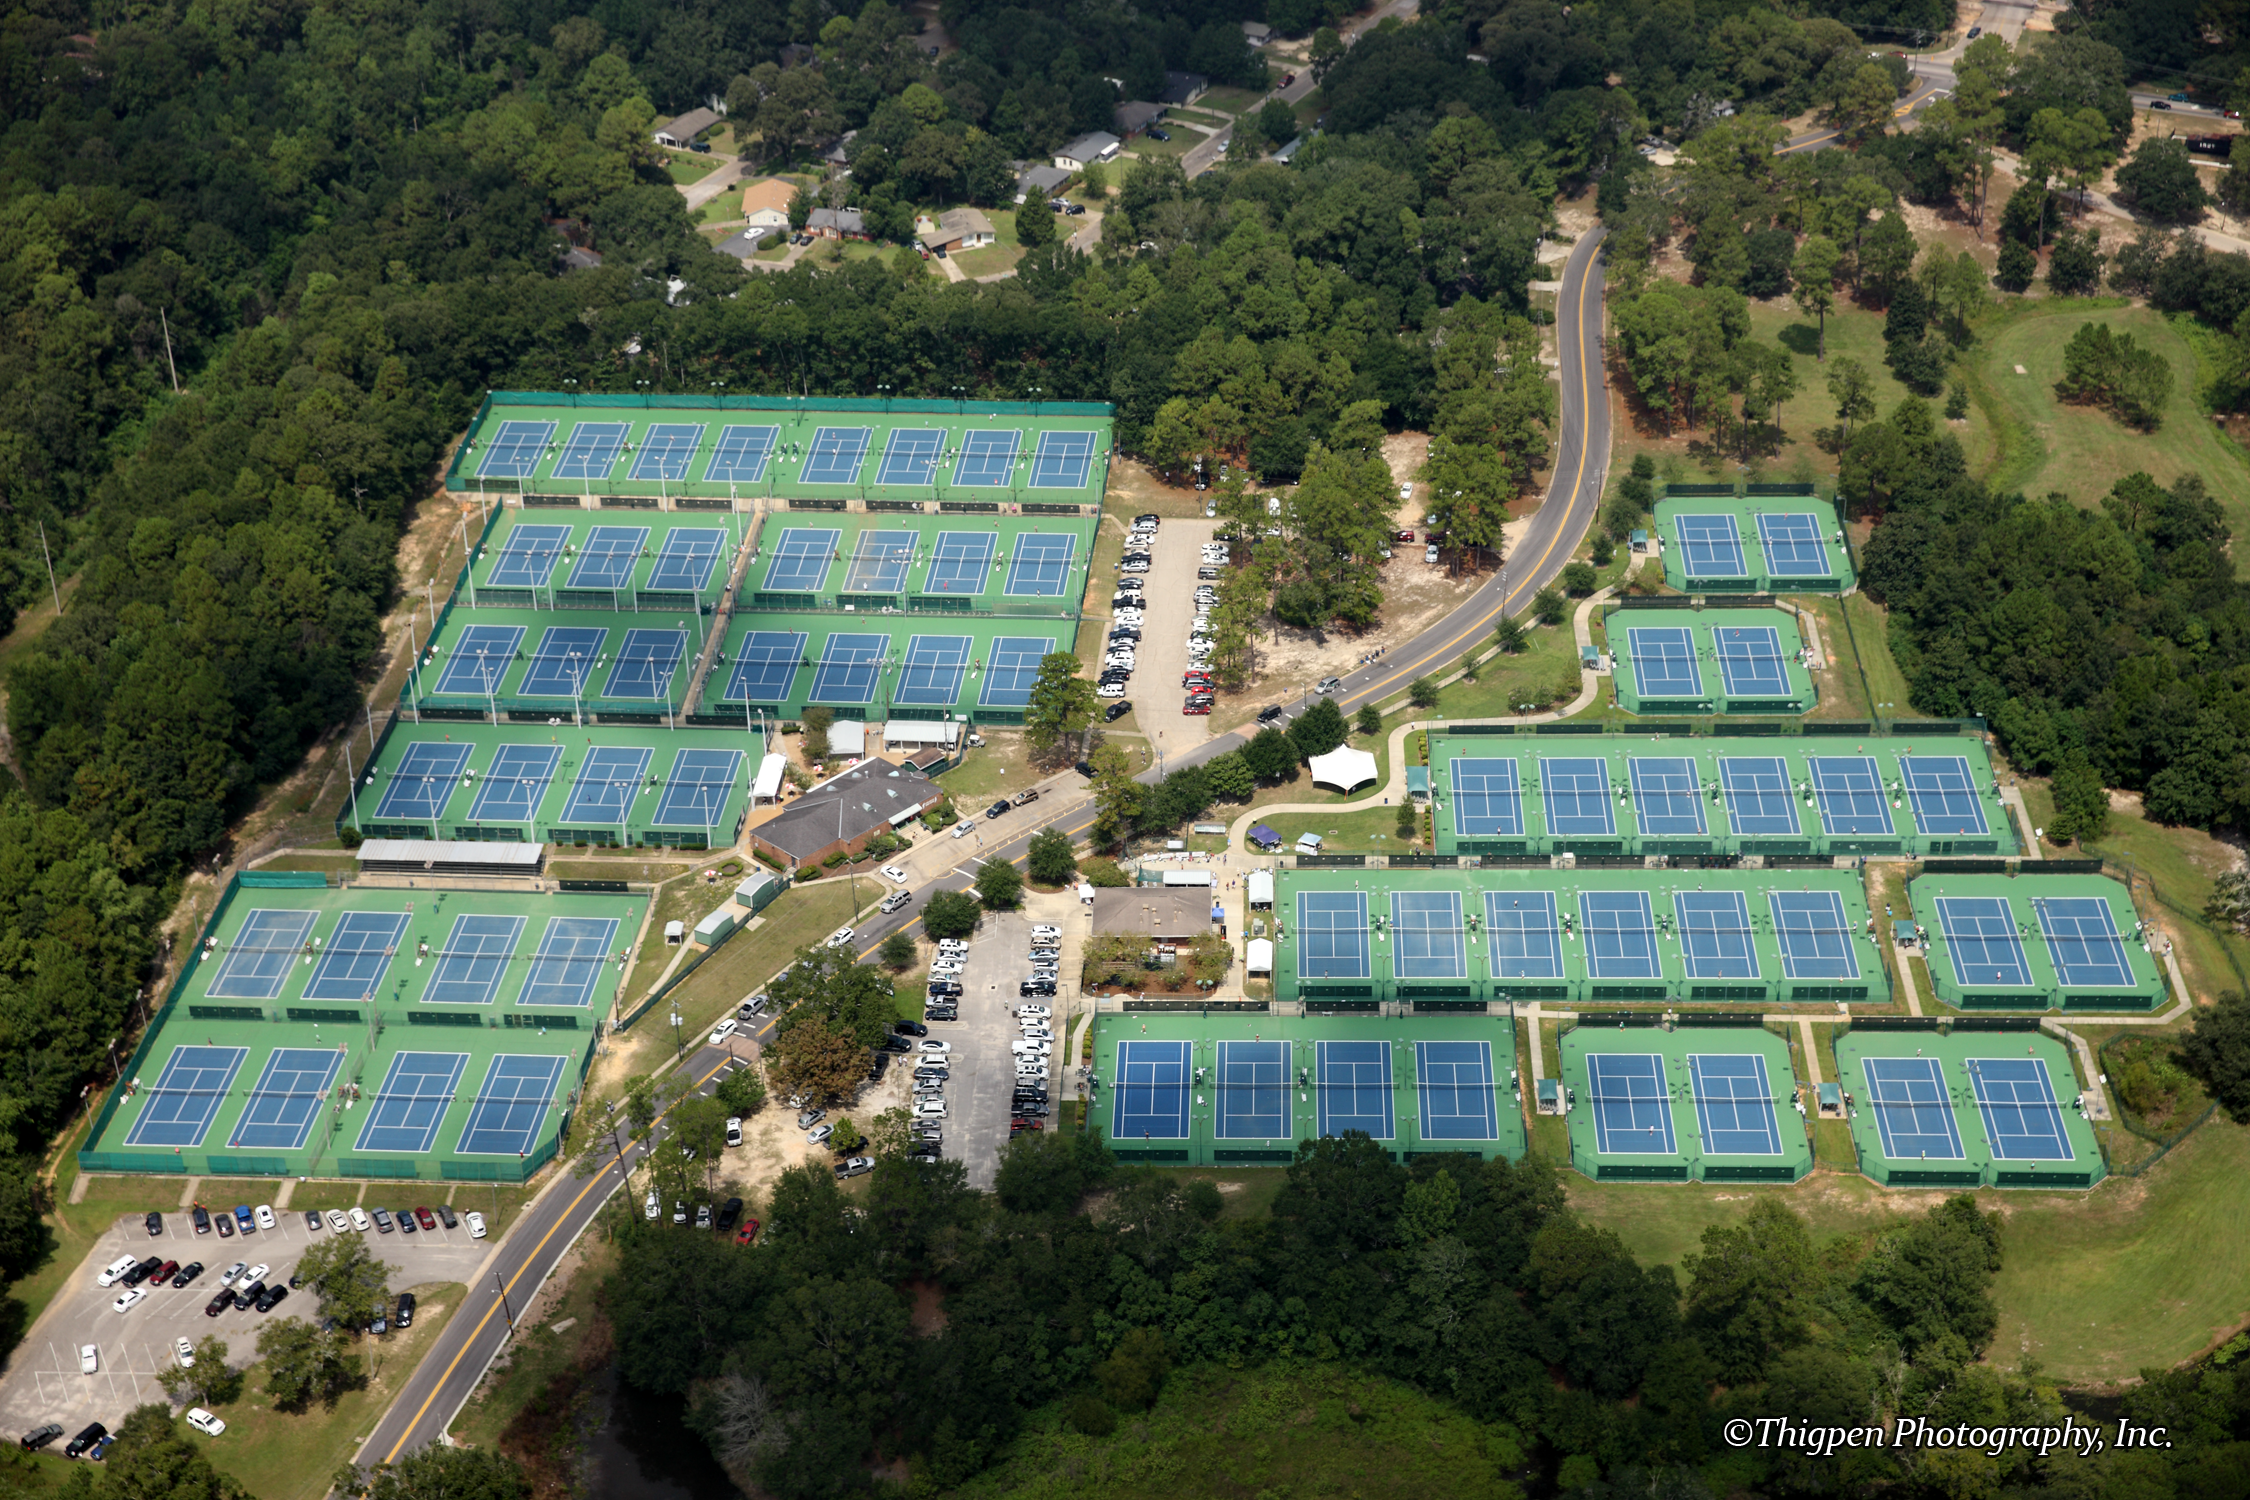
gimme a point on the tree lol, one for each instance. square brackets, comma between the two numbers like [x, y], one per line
[1062, 703]
[2217, 1051]
[816, 1061]
[1932, 1281]
[352, 1285]
[1956, 402]
[1319, 729]
[1117, 797]
[1271, 755]
[2228, 905]
[304, 1365]
[1547, 606]
[1853, 391]
[2081, 801]
[1369, 721]
[1133, 1375]
[897, 951]
[801, 206]
[1094, 180]
[1887, 255]
[890, 1135]
[1863, 107]
[1749, 1290]
[2160, 181]
[2017, 265]
[1327, 51]
[1052, 859]
[816, 722]
[210, 1381]
[999, 885]
[846, 1139]
[438, 1472]
[2074, 266]
[152, 1458]
[834, 986]
[1049, 1171]
[1422, 692]
[742, 1091]
[1578, 579]
[1035, 223]
[1509, 635]
[1231, 777]
[1814, 272]
[951, 914]
[2109, 369]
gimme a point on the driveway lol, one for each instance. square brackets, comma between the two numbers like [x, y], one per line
[978, 1094]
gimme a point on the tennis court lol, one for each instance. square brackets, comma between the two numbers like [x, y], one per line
[1730, 544]
[766, 665]
[355, 956]
[568, 965]
[1982, 942]
[647, 664]
[257, 960]
[1632, 1108]
[474, 960]
[879, 563]
[561, 663]
[1253, 1090]
[962, 561]
[179, 1110]
[1041, 568]
[1794, 546]
[1734, 1104]
[1941, 794]
[1430, 941]
[690, 556]
[1149, 1095]
[934, 668]
[849, 669]
[1750, 661]
[528, 555]
[1757, 795]
[1663, 659]
[1715, 940]
[424, 779]
[1711, 547]
[988, 455]
[411, 1101]
[666, 449]
[591, 449]
[696, 791]
[1487, 798]
[516, 783]
[607, 559]
[1524, 933]
[607, 779]
[1063, 461]
[912, 456]
[511, 1106]
[1577, 794]
[1013, 670]
[1620, 935]
[2082, 940]
[285, 1102]
[2016, 1100]
[739, 457]
[1850, 792]
[801, 557]
[1912, 1114]
[1354, 1080]
[480, 656]
[1809, 927]
[1332, 935]
[1666, 797]
[516, 449]
[1457, 1091]
[835, 456]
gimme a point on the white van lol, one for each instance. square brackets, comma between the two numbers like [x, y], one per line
[115, 1270]
[734, 1131]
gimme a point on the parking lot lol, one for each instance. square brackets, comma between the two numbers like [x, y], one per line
[983, 1081]
[43, 1382]
[1170, 583]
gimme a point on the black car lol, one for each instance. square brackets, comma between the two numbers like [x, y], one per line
[446, 1217]
[1116, 711]
[155, 1223]
[406, 1222]
[1084, 768]
[996, 809]
[218, 1304]
[248, 1295]
[188, 1273]
[1028, 1107]
[933, 1073]
[1268, 715]
[40, 1437]
[143, 1271]
[406, 1309]
[1030, 988]
[1160, 135]
[944, 986]
[271, 1298]
[895, 1044]
[728, 1214]
[202, 1217]
[877, 1066]
[946, 1014]
[910, 1028]
[93, 1433]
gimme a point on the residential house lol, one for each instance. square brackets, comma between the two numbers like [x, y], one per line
[765, 203]
[1038, 184]
[1288, 153]
[836, 155]
[836, 224]
[1256, 33]
[842, 813]
[1135, 116]
[956, 229]
[1084, 152]
[687, 127]
[1183, 88]
[576, 258]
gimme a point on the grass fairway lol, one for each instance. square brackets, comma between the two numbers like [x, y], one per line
[2045, 446]
[1853, 333]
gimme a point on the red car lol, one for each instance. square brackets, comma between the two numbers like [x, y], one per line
[164, 1273]
[425, 1218]
[1406, 536]
[1193, 708]
[748, 1233]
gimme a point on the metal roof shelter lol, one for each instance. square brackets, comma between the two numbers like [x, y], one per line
[421, 856]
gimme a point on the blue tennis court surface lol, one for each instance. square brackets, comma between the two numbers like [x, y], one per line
[1850, 793]
[563, 661]
[1794, 547]
[2016, 1098]
[740, 455]
[912, 456]
[1980, 935]
[986, 457]
[527, 558]
[592, 448]
[695, 794]
[1911, 1112]
[480, 657]
[1710, 547]
[353, 959]
[1253, 1088]
[1664, 661]
[257, 961]
[607, 779]
[2082, 940]
[606, 561]
[568, 963]
[1809, 927]
[1757, 793]
[800, 559]
[835, 455]
[1525, 935]
[1577, 793]
[935, 666]
[1715, 934]
[1734, 1106]
[187, 1096]
[962, 561]
[1042, 565]
[1427, 935]
[1620, 935]
[879, 562]
[423, 781]
[849, 667]
[515, 450]
[1013, 670]
[410, 1102]
[516, 1095]
[516, 781]
[1459, 1095]
[1942, 796]
[690, 553]
[1750, 661]
[1487, 798]
[1150, 1092]
[1063, 461]
[647, 664]
[1332, 935]
[475, 960]
[285, 1102]
[1354, 1080]
[1632, 1107]
[666, 450]
[1665, 795]
[766, 664]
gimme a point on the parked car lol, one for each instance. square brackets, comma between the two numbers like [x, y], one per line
[89, 1359]
[154, 1223]
[475, 1221]
[90, 1434]
[242, 1220]
[264, 1216]
[857, 1166]
[218, 1304]
[244, 1298]
[383, 1220]
[203, 1422]
[447, 1217]
[116, 1270]
[201, 1217]
[271, 1298]
[748, 1233]
[40, 1437]
[187, 1273]
[358, 1217]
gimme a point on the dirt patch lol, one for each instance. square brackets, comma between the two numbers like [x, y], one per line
[2125, 802]
[929, 1308]
[1406, 452]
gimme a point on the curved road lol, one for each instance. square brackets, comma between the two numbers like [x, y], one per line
[523, 1259]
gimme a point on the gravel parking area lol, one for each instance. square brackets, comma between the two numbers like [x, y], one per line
[1162, 655]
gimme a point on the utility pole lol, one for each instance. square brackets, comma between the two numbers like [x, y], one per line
[166, 320]
[501, 1287]
[50, 557]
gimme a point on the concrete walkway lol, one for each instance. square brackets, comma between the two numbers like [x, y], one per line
[1906, 980]
[2013, 797]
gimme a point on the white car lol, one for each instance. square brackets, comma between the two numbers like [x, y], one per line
[264, 1215]
[1128, 616]
[233, 1272]
[893, 872]
[945, 969]
[1045, 929]
[475, 1222]
[359, 1219]
[255, 1274]
[651, 1208]
[1038, 1034]
[930, 1109]
[337, 1221]
[90, 1358]
[184, 1352]
[722, 1031]
[964, 828]
[1031, 1049]
[1034, 1010]
[840, 938]
[203, 1422]
[115, 1271]
[931, 1044]
[132, 1295]
[1110, 690]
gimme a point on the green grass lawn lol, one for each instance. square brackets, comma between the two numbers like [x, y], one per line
[1229, 101]
[1864, 683]
[686, 167]
[798, 917]
[1001, 765]
[1004, 251]
[1372, 830]
[2181, 863]
[687, 899]
[2044, 445]
[1504, 682]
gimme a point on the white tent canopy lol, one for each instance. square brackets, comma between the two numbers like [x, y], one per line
[768, 785]
[1343, 768]
[1261, 956]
